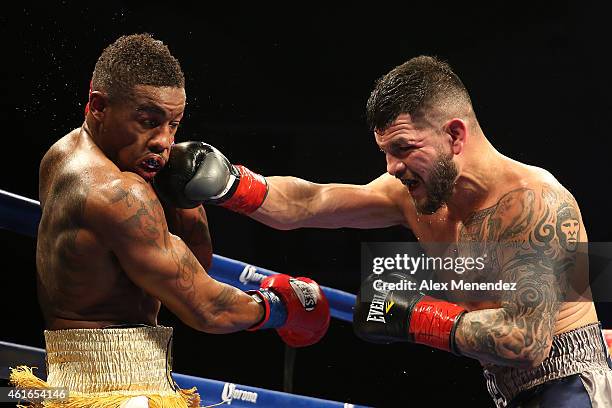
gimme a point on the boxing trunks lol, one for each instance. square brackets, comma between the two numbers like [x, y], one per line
[577, 373]
[110, 367]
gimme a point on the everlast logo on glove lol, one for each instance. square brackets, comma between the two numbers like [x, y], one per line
[379, 307]
[306, 292]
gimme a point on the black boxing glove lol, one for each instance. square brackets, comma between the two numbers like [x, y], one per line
[198, 173]
[387, 311]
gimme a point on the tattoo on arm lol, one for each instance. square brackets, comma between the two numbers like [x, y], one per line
[207, 309]
[144, 221]
[145, 217]
[531, 242]
[226, 298]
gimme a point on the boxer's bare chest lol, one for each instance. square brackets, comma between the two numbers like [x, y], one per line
[81, 278]
[441, 235]
[477, 227]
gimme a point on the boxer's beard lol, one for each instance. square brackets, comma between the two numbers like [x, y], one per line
[439, 188]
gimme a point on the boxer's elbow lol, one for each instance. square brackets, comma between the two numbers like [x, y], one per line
[529, 360]
[536, 361]
[528, 353]
[539, 353]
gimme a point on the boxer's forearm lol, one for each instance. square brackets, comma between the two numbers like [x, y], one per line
[292, 203]
[518, 333]
[498, 336]
[288, 203]
[230, 310]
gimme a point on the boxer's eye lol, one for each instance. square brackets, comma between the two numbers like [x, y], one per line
[150, 123]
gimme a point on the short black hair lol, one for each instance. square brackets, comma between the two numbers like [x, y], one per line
[412, 88]
[136, 59]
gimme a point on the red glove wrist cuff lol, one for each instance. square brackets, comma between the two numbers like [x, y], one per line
[250, 194]
[432, 322]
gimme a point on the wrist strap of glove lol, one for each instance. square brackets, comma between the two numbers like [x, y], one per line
[250, 194]
[433, 322]
[275, 313]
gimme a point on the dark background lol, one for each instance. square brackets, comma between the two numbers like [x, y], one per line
[283, 90]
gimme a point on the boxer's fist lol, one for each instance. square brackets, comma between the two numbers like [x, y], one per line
[198, 173]
[382, 316]
[386, 311]
[296, 307]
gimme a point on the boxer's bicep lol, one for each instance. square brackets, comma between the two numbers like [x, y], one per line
[130, 220]
[295, 203]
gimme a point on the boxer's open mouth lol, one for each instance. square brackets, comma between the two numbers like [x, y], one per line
[411, 184]
[152, 164]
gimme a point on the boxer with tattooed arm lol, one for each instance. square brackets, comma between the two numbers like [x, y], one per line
[539, 344]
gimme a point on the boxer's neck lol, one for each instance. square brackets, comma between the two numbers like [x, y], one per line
[483, 173]
[92, 133]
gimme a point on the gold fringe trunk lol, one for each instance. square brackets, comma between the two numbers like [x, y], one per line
[105, 367]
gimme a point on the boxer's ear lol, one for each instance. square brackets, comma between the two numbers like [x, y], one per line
[98, 102]
[457, 130]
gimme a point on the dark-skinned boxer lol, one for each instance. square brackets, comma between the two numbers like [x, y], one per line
[109, 253]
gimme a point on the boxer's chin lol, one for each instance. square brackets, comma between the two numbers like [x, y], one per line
[426, 206]
[427, 202]
[146, 174]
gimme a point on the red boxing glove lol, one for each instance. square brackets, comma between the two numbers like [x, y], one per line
[608, 337]
[296, 307]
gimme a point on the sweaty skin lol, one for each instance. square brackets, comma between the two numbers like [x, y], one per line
[105, 251]
[530, 222]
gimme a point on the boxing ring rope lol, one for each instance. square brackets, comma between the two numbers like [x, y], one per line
[22, 215]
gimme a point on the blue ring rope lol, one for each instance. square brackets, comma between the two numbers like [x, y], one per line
[22, 215]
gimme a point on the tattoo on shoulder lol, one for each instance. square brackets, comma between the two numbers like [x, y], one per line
[550, 220]
[531, 236]
[142, 215]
